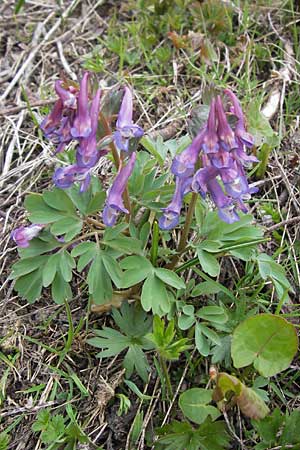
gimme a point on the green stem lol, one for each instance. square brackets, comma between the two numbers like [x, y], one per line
[167, 376]
[185, 231]
[154, 245]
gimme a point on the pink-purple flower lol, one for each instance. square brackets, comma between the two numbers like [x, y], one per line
[220, 151]
[126, 129]
[23, 235]
[114, 202]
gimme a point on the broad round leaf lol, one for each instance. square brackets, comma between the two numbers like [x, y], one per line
[194, 405]
[267, 341]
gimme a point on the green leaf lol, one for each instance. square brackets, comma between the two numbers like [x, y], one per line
[86, 251]
[124, 244]
[129, 314]
[96, 203]
[60, 289]
[58, 199]
[68, 226]
[205, 288]
[210, 334]
[155, 296]
[99, 282]
[202, 344]
[39, 211]
[136, 390]
[4, 441]
[209, 262]
[185, 322]
[66, 264]
[135, 358]
[182, 436]
[112, 340]
[170, 278]
[38, 247]
[27, 265]
[250, 404]
[194, 405]
[135, 341]
[137, 268]
[29, 286]
[19, 5]
[113, 269]
[267, 341]
[50, 269]
[290, 434]
[213, 314]
[268, 428]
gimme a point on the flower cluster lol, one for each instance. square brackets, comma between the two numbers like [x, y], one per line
[219, 149]
[74, 117]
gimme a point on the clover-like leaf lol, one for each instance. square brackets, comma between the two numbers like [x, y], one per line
[267, 341]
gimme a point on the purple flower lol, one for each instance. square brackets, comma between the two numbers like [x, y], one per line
[82, 126]
[183, 165]
[126, 129]
[67, 97]
[210, 138]
[52, 120]
[240, 132]
[221, 150]
[23, 235]
[171, 213]
[114, 202]
[88, 145]
[226, 136]
[64, 177]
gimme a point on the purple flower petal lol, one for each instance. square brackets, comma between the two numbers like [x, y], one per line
[126, 129]
[114, 202]
[23, 235]
[183, 165]
[171, 213]
[210, 138]
[228, 214]
[82, 126]
[225, 132]
[88, 145]
[68, 98]
[52, 120]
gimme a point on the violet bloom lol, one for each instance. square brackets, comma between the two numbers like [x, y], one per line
[67, 97]
[223, 157]
[53, 119]
[171, 213]
[114, 202]
[82, 123]
[240, 131]
[23, 235]
[210, 138]
[64, 177]
[225, 133]
[126, 129]
[88, 145]
[183, 165]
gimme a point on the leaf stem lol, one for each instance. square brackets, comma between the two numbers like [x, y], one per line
[185, 231]
[167, 376]
[154, 245]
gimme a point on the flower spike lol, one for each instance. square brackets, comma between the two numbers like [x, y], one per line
[114, 202]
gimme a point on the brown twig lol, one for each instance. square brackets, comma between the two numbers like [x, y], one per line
[16, 109]
[283, 223]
